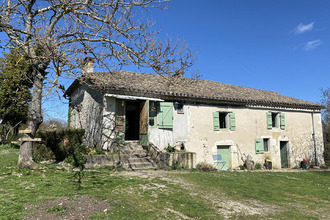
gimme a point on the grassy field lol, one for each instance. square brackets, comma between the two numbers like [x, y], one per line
[52, 192]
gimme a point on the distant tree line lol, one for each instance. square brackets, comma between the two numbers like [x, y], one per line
[326, 123]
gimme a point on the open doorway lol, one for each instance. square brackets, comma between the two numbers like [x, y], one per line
[284, 154]
[132, 120]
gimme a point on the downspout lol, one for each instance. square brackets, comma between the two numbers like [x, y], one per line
[314, 139]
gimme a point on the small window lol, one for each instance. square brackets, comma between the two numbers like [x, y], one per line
[262, 145]
[275, 120]
[266, 144]
[223, 119]
[152, 113]
[275, 117]
[178, 106]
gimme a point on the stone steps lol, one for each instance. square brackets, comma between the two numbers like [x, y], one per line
[137, 156]
[138, 153]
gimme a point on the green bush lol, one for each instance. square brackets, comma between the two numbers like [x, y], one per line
[77, 159]
[176, 166]
[242, 167]
[53, 147]
[170, 148]
[41, 153]
[6, 145]
[258, 166]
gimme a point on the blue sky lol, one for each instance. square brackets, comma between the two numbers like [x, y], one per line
[276, 45]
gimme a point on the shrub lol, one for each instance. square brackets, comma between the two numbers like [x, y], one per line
[54, 141]
[77, 159]
[258, 166]
[176, 166]
[242, 167]
[170, 148]
[92, 151]
[205, 167]
[6, 145]
[41, 153]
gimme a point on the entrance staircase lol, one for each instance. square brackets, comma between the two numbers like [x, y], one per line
[137, 157]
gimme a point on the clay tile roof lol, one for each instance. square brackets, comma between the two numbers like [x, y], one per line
[123, 81]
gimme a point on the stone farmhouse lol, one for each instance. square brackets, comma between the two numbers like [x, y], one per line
[221, 123]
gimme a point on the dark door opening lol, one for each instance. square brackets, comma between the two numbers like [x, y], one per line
[132, 120]
[284, 154]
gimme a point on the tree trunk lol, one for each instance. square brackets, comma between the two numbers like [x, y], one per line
[35, 119]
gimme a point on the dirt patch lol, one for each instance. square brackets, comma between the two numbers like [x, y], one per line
[78, 207]
[225, 206]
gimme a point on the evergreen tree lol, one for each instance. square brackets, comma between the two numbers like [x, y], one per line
[15, 84]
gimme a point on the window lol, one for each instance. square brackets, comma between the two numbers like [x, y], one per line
[178, 106]
[266, 144]
[262, 145]
[152, 113]
[275, 117]
[165, 115]
[161, 114]
[275, 120]
[224, 120]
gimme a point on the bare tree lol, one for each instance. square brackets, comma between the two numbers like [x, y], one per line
[56, 35]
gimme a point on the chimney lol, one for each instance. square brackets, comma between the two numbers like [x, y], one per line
[88, 65]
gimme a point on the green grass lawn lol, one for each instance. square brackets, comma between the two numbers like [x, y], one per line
[168, 194]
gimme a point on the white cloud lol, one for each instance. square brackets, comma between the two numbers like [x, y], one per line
[302, 28]
[311, 45]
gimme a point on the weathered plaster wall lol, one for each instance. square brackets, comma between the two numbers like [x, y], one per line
[194, 128]
[109, 122]
[251, 123]
[300, 129]
[87, 108]
[162, 137]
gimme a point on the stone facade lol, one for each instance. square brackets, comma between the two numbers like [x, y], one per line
[251, 123]
[223, 129]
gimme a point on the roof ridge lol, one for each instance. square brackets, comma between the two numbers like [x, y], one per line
[191, 88]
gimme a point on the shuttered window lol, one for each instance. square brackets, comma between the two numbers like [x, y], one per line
[224, 120]
[282, 121]
[232, 121]
[216, 122]
[259, 142]
[165, 115]
[269, 120]
[275, 120]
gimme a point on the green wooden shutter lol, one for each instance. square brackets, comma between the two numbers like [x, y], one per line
[269, 120]
[216, 122]
[232, 121]
[282, 121]
[165, 115]
[259, 145]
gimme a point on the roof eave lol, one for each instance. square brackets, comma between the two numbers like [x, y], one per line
[206, 99]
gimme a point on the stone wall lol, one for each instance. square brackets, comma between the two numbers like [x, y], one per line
[94, 161]
[166, 160]
[87, 111]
